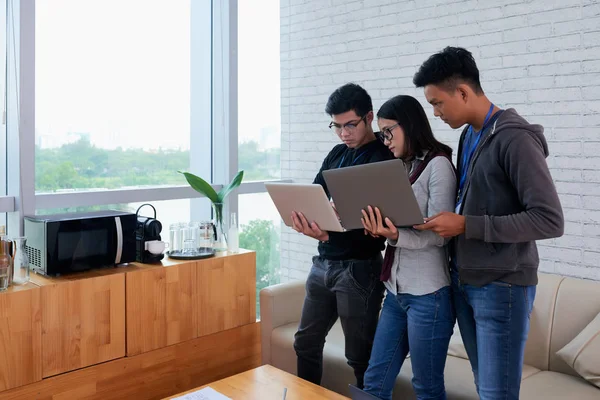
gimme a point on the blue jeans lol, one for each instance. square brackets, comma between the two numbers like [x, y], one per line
[494, 323]
[422, 323]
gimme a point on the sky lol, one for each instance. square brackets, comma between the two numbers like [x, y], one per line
[119, 70]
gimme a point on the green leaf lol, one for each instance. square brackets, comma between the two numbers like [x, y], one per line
[201, 186]
[237, 181]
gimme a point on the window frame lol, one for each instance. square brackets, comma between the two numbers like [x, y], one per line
[21, 199]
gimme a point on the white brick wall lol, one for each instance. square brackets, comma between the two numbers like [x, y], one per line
[540, 56]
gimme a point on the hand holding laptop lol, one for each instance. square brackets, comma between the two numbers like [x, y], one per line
[384, 185]
[301, 205]
[301, 225]
[377, 226]
[308, 210]
[446, 224]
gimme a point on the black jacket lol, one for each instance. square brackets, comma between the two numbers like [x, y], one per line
[352, 244]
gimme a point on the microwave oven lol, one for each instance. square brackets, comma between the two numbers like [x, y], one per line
[61, 244]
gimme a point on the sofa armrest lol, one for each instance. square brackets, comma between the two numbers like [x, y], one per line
[279, 305]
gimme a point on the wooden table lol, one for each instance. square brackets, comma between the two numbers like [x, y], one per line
[266, 383]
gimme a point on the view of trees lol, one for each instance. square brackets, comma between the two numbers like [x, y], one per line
[80, 165]
[263, 237]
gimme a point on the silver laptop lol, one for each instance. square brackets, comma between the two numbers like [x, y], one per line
[382, 184]
[358, 394]
[308, 199]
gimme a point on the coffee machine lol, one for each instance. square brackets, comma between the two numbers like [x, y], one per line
[149, 246]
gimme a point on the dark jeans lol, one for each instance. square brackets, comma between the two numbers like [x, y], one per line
[423, 323]
[494, 323]
[350, 290]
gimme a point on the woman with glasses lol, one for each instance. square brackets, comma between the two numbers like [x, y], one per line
[417, 312]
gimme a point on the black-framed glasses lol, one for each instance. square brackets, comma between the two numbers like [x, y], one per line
[386, 133]
[348, 126]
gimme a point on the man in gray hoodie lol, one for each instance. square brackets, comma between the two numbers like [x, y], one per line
[506, 201]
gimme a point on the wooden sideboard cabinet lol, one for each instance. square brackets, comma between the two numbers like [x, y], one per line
[20, 336]
[186, 300]
[141, 331]
[226, 293]
[83, 322]
[161, 307]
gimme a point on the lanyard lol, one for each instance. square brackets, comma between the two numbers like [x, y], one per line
[353, 162]
[468, 154]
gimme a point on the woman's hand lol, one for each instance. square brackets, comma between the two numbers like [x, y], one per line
[376, 226]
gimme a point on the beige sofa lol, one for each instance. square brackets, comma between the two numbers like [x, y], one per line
[562, 308]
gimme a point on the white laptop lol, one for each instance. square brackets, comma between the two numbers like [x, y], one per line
[308, 199]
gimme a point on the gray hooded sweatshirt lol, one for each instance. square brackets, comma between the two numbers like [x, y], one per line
[510, 201]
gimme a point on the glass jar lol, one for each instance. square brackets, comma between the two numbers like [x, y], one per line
[21, 261]
[206, 236]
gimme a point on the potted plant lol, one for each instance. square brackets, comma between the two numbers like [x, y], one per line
[217, 200]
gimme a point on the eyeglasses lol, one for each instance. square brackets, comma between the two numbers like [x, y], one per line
[386, 133]
[348, 126]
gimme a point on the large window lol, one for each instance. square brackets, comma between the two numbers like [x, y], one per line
[259, 132]
[260, 230]
[108, 99]
[259, 110]
[3, 132]
[113, 93]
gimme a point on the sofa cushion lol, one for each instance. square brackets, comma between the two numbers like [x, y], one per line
[283, 355]
[279, 305]
[538, 341]
[577, 304]
[583, 353]
[537, 348]
[458, 378]
[337, 374]
[550, 385]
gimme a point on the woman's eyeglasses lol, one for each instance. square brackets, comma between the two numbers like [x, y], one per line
[386, 133]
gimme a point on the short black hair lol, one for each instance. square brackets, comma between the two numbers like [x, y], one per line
[347, 98]
[448, 68]
[410, 115]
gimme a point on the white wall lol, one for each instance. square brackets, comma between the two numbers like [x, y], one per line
[540, 56]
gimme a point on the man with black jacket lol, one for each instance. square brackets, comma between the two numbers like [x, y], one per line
[344, 279]
[506, 201]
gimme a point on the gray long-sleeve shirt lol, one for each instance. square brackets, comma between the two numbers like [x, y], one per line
[421, 259]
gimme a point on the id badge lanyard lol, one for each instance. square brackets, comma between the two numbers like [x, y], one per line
[467, 155]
